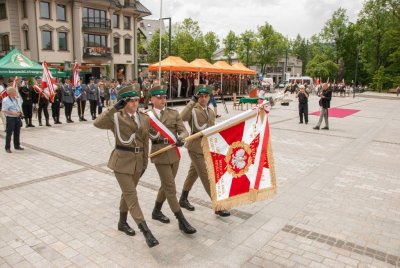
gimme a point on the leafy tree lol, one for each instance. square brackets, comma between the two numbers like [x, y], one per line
[322, 66]
[188, 40]
[230, 43]
[379, 78]
[269, 46]
[245, 48]
[153, 47]
[300, 48]
[211, 44]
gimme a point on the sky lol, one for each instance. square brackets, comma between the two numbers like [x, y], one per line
[288, 17]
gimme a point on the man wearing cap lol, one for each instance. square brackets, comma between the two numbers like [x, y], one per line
[81, 101]
[199, 116]
[129, 159]
[67, 95]
[167, 128]
[27, 94]
[56, 105]
[93, 97]
[42, 98]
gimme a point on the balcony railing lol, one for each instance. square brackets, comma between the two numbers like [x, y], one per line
[96, 52]
[94, 23]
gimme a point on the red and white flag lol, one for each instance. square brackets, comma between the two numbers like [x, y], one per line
[75, 77]
[48, 83]
[239, 160]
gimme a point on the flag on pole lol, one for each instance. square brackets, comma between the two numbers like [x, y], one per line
[239, 159]
[76, 81]
[48, 83]
[4, 93]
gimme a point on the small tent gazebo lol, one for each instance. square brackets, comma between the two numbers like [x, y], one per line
[17, 64]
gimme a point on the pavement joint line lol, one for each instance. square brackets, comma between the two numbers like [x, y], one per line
[387, 142]
[343, 244]
[51, 177]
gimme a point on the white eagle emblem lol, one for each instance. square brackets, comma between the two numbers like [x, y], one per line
[239, 158]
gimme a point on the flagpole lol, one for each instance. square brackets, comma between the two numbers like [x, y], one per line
[159, 51]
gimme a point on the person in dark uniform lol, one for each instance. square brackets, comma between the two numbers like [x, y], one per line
[303, 104]
[129, 159]
[67, 98]
[81, 102]
[167, 163]
[56, 105]
[93, 97]
[27, 94]
[42, 98]
[199, 116]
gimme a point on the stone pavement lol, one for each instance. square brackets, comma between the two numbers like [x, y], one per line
[337, 203]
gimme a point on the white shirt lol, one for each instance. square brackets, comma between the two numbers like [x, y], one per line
[158, 112]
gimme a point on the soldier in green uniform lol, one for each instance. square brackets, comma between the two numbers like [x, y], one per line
[200, 117]
[129, 159]
[167, 163]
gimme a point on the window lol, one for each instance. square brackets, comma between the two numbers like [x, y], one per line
[127, 23]
[62, 41]
[94, 18]
[127, 46]
[61, 15]
[116, 45]
[3, 12]
[24, 13]
[115, 21]
[4, 43]
[26, 37]
[44, 10]
[46, 40]
[92, 40]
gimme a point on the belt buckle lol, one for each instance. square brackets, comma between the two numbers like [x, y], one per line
[136, 150]
[166, 141]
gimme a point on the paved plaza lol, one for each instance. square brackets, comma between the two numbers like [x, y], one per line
[337, 202]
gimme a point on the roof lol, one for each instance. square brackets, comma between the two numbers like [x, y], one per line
[142, 9]
[149, 27]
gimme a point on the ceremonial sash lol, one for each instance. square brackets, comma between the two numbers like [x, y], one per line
[165, 132]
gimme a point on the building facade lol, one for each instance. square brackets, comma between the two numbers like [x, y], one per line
[100, 35]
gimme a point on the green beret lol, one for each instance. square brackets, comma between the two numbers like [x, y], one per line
[158, 90]
[127, 92]
[203, 89]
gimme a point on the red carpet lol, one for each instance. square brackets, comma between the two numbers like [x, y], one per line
[337, 112]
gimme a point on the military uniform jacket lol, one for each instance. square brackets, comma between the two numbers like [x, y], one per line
[92, 91]
[27, 95]
[57, 97]
[83, 96]
[198, 119]
[146, 87]
[173, 121]
[126, 162]
[67, 94]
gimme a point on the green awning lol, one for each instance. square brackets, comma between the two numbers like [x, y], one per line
[17, 64]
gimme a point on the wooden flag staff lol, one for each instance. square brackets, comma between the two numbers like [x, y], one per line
[191, 137]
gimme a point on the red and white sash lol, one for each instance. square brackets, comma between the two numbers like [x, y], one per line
[164, 131]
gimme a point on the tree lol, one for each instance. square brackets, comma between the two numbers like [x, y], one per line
[230, 43]
[211, 44]
[153, 47]
[269, 46]
[188, 40]
[245, 48]
[379, 78]
[300, 48]
[321, 66]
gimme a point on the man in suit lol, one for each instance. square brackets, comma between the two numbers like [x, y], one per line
[167, 163]
[27, 94]
[55, 106]
[325, 104]
[199, 116]
[93, 97]
[129, 159]
[67, 95]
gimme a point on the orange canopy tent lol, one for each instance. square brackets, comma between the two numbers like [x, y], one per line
[225, 68]
[239, 66]
[204, 66]
[173, 64]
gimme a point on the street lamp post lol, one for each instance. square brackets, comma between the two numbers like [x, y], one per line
[169, 34]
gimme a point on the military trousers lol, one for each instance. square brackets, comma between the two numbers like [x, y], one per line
[197, 169]
[129, 200]
[167, 173]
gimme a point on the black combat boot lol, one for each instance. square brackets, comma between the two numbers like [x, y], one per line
[223, 213]
[40, 122]
[55, 120]
[123, 225]
[184, 202]
[47, 123]
[26, 122]
[70, 120]
[58, 120]
[158, 215]
[183, 223]
[150, 239]
[30, 123]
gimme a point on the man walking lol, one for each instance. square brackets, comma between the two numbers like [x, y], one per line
[170, 130]
[12, 108]
[325, 104]
[130, 157]
[199, 116]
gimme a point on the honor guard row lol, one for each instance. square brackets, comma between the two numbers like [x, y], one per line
[163, 126]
